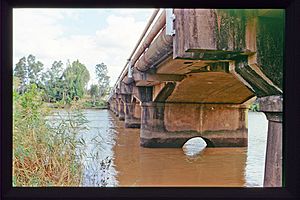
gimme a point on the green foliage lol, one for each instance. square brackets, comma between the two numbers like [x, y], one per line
[103, 79]
[53, 82]
[75, 77]
[28, 71]
[20, 70]
[59, 84]
[45, 153]
[254, 107]
[94, 104]
[94, 90]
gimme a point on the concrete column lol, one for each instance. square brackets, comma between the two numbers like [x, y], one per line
[152, 126]
[113, 106]
[121, 110]
[130, 120]
[117, 108]
[272, 107]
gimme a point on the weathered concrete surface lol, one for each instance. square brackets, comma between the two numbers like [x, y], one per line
[263, 70]
[204, 117]
[116, 107]
[131, 121]
[131, 118]
[196, 83]
[260, 84]
[177, 139]
[171, 125]
[270, 47]
[137, 110]
[210, 87]
[121, 110]
[272, 107]
[218, 60]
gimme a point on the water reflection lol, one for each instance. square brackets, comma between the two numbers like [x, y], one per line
[96, 154]
[100, 140]
[257, 144]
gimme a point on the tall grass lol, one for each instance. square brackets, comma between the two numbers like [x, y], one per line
[45, 154]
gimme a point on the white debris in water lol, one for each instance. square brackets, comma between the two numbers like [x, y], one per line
[194, 146]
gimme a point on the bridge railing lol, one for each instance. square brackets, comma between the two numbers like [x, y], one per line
[153, 27]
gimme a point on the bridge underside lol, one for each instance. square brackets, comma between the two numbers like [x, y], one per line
[201, 81]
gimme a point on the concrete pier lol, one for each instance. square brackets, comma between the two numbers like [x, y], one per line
[201, 80]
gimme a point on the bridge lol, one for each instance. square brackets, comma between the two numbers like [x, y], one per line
[195, 72]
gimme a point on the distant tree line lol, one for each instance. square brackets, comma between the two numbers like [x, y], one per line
[59, 83]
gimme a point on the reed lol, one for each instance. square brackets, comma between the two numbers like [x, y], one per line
[45, 153]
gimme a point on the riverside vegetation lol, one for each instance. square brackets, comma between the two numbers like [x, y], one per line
[46, 153]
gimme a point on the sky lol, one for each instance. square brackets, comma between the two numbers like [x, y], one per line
[92, 36]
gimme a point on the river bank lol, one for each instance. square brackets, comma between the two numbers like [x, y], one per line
[81, 105]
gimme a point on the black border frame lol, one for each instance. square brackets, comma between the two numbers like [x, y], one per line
[291, 115]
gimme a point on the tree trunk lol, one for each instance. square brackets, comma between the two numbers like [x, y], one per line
[94, 101]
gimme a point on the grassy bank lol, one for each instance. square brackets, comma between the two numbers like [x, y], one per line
[45, 155]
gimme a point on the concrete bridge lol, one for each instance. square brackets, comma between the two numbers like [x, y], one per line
[196, 72]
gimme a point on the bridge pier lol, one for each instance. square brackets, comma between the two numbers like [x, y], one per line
[116, 108]
[112, 106]
[121, 110]
[172, 124]
[272, 107]
[131, 119]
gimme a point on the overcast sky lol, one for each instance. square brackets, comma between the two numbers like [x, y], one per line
[90, 35]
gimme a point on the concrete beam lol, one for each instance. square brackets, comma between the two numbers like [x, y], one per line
[126, 88]
[259, 83]
[165, 92]
[147, 79]
[209, 34]
[127, 80]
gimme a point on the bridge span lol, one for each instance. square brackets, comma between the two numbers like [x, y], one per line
[195, 72]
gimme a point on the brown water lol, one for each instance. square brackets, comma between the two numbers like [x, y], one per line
[133, 165]
[139, 166]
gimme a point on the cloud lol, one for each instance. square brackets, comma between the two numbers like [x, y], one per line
[41, 32]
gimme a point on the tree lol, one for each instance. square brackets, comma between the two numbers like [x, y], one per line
[20, 72]
[76, 77]
[94, 92]
[103, 79]
[53, 81]
[28, 71]
[34, 70]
